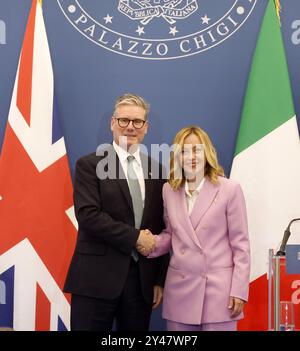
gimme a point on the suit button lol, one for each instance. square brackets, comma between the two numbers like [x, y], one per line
[182, 251]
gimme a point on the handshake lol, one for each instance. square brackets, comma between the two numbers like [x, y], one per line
[145, 243]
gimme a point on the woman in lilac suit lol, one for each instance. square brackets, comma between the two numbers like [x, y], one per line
[206, 230]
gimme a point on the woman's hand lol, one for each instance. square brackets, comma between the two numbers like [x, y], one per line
[236, 306]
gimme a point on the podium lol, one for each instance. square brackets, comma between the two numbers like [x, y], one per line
[283, 285]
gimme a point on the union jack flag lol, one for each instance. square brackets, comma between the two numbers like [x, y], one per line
[37, 223]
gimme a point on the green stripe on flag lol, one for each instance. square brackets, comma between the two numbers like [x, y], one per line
[268, 102]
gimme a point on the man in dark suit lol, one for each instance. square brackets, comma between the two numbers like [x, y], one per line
[118, 203]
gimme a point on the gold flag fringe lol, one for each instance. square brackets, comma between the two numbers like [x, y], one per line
[278, 8]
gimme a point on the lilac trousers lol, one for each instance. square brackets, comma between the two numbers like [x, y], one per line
[224, 326]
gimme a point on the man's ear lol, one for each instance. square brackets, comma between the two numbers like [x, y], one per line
[112, 122]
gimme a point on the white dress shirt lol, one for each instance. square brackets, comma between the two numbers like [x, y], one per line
[137, 165]
[191, 198]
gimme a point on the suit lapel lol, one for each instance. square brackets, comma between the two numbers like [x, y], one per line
[183, 210]
[203, 202]
[205, 199]
[122, 181]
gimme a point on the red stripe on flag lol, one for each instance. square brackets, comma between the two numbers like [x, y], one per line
[256, 310]
[25, 70]
[43, 310]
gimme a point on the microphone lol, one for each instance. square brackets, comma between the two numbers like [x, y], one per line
[286, 236]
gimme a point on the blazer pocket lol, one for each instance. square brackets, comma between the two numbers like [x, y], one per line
[91, 249]
[218, 269]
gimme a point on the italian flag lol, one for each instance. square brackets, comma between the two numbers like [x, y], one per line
[267, 161]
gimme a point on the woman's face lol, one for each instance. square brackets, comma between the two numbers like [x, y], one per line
[192, 157]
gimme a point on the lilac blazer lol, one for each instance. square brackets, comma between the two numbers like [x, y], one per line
[210, 253]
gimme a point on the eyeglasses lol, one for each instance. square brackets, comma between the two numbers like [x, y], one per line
[124, 122]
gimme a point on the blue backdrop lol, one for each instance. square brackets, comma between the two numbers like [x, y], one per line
[191, 62]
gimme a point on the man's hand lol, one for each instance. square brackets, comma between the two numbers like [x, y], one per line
[158, 295]
[145, 243]
[236, 306]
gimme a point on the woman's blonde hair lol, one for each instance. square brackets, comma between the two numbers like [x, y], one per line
[212, 167]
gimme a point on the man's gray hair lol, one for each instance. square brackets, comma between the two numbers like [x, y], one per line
[132, 99]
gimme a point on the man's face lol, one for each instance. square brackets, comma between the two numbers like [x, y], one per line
[133, 135]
